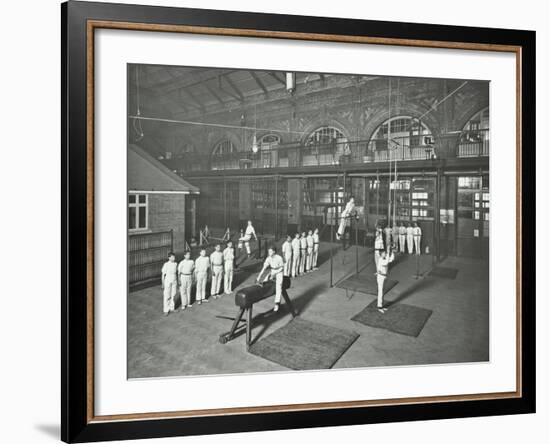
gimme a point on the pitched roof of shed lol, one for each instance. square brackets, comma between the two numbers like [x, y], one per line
[145, 173]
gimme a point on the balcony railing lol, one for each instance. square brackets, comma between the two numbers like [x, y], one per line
[473, 143]
[342, 153]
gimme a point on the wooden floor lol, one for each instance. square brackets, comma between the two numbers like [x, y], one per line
[186, 343]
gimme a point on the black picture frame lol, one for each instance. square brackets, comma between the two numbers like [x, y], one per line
[76, 423]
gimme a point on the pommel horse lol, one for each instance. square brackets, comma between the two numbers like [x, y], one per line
[245, 300]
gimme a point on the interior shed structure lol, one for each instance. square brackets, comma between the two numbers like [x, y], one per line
[286, 151]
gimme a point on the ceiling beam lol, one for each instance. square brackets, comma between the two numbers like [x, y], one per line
[258, 81]
[196, 104]
[276, 77]
[232, 85]
[213, 93]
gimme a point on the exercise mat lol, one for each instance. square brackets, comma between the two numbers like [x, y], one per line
[304, 345]
[399, 318]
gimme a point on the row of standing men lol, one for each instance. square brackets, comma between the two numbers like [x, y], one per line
[404, 238]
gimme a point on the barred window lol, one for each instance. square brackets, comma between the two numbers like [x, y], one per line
[325, 135]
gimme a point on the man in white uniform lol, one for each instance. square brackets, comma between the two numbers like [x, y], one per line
[315, 247]
[378, 245]
[388, 232]
[185, 273]
[202, 265]
[169, 281]
[275, 263]
[295, 254]
[381, 275]
[228, 262]
[344, 217]
[395, 236]
[303, 253]
[309, 257]
[248, 233]
[287, 255]
[410, 238]
[216, 262]
[417, 235]
[402, 237]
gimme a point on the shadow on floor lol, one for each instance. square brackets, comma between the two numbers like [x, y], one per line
[419, 285]
[51, 430]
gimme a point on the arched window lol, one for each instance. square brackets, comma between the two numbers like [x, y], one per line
[222, 156]
[325, 135]
[269, 141]
[325, 146]
[474, 138]
[407, 138]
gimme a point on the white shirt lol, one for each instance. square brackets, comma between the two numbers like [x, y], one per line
[402, 231]
[274, 262]
[382, 267]
[202, 264]
[379, 241]
[315, 238]
[229, 254]
[417, 231]
[216, 258]
[250, 231]
[287, 249]
[303, 243]
[186, 267]
[295, 245]
[409, 231]
[169, 271]
[309, 241]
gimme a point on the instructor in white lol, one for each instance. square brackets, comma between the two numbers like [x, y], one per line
[275, 263]
[287, 255]
[381, 275]
[228, 261]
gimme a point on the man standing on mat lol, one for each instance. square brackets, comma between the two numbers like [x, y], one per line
[275, 264]
[295, 254]
[378, 245]
[287, 255]
[381, 275]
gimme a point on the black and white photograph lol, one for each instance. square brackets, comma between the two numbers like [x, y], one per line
[282, 221]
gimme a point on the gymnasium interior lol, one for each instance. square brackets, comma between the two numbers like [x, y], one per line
[210, 149]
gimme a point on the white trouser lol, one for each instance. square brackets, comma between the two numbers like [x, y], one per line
[302, 260]
[287, 265]
[376, 257]
[201, 285]
[342, 226]
[217, 276]
[417, 244]
[228, 277]
[278, 278]
[185, 289]
[380, 279]
[170, 290]
[247, 246]
[309, 259]
[402, 243]
[315, 255]
[295, 262]
[410, 243]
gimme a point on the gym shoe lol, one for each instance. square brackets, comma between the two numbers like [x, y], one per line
[276, 308]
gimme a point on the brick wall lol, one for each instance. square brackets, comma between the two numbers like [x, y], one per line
[167, 212]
